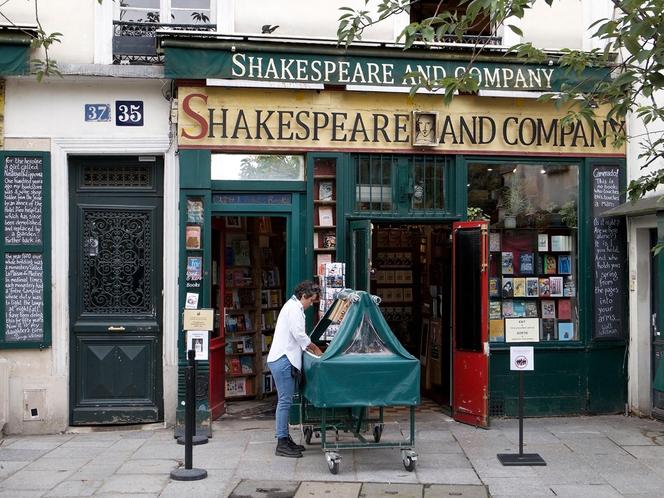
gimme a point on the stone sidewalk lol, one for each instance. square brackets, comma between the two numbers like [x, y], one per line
[602, 456]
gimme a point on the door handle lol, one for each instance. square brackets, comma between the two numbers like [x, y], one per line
[116, 329]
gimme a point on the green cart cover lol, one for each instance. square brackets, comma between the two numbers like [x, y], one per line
[364, 364]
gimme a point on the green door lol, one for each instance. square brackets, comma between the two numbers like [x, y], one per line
[360, 254]
[115, 290]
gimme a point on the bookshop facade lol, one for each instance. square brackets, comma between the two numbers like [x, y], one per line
[278, 184]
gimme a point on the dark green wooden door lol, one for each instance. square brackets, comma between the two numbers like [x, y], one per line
[360, 254]
[116, 290]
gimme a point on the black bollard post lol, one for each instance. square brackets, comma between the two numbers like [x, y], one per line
[195, 439]
[188, 473]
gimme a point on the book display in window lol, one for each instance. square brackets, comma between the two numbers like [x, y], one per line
[532, 275]
[324, 213]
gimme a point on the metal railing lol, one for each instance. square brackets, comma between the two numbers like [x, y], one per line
[136, 43]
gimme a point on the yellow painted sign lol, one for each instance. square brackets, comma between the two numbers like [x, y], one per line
[240, 119]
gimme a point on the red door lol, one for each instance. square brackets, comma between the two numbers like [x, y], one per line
[470, 343]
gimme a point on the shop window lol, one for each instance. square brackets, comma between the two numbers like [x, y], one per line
[175, 11]
[532, 210]
[262, 167]
[390, 184]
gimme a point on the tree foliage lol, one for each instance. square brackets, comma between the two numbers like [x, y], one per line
[633, 40]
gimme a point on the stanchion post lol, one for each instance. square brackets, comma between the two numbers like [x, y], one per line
[188, 473]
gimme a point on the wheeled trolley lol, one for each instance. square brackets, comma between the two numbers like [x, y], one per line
[363, 369]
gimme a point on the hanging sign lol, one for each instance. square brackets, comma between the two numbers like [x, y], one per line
[522, 358]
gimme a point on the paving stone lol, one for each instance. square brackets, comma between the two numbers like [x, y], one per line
[216, 484]
[266, 489]
[58, 463]
[440, 491]
[375, 490]
[328, 489]
[148, 467]
[75, 488]
[516, 486]
[19, 455]
[35, 479]
[585, 490]
[23, 493]
[135, 485]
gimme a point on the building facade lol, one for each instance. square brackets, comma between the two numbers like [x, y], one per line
[215, 164]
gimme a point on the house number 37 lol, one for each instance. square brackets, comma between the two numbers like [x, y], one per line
[129, 113]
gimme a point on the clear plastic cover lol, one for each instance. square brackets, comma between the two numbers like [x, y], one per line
[366, 340]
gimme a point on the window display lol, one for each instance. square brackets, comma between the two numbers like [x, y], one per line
[532, 244]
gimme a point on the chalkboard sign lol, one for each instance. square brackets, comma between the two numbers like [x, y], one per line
[609, 255]
[24, 297]
[23, 200]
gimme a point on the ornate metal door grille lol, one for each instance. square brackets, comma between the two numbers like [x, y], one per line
[117, 262]
[113, 176]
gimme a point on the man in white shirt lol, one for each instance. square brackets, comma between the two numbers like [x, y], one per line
[290, 339]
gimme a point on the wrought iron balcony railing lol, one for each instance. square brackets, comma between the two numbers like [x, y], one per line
[135, 42]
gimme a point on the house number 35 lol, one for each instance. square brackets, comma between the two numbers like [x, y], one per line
[129, 113]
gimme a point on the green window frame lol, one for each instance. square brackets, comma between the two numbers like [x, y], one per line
[400, 185]
[43, 249]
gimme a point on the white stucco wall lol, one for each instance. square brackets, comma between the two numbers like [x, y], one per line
[558, 26]
[49, 117]
[73, 18]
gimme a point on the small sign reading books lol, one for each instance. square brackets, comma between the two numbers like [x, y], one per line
[522, 330]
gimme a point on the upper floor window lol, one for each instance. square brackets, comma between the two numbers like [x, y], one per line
[481, 28]
[173, 11]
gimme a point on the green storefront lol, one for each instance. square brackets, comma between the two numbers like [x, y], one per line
[279, 179]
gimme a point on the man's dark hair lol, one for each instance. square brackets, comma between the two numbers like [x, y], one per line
[306, 289]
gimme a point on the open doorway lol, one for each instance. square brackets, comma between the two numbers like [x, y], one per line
[248, 289]
[412, 274]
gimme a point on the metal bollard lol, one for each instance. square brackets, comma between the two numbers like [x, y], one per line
[188, 473]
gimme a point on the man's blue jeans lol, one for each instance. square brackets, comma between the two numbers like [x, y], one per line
[281, 373]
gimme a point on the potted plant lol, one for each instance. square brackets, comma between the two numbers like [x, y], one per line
[515, 202]
[476, 214]
[568, 214]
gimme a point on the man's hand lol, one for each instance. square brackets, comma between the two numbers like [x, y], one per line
[312, 348]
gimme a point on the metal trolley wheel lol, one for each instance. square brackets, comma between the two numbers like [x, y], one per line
[377, 432]
[409, 459]
[333, 460]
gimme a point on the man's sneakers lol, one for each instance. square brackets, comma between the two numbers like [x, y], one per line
[285, 449]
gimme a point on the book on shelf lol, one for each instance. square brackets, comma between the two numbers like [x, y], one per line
[519, 287]
[548, 308]
[564, 264]
[507, 287]
[532, 287]
[556, 284]
[246, 365]
[544, 287]
[236, 366]
[267, 258]
[496, 330]
[494, 287]
[548, 330]
[334, 275]
[270, 277]
[236, 387]
[321, 260]
[494, 241]
[230, 324]
[248, 344]
[550, 264]
[531, 309]
[526, 263]
[518, 308]
[565, 309]
[495, 310]
[266, 342]
[565, 331]
[194, 268]
[508, 308]
[325, 191]
[195, 211]
[561, 243]
[329, 240]
[507, 262]
[569, 289]
[542, 242]
[325, 216]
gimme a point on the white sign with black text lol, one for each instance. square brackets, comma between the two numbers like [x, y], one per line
[521, 329]
[522, 358]
[198, 341]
